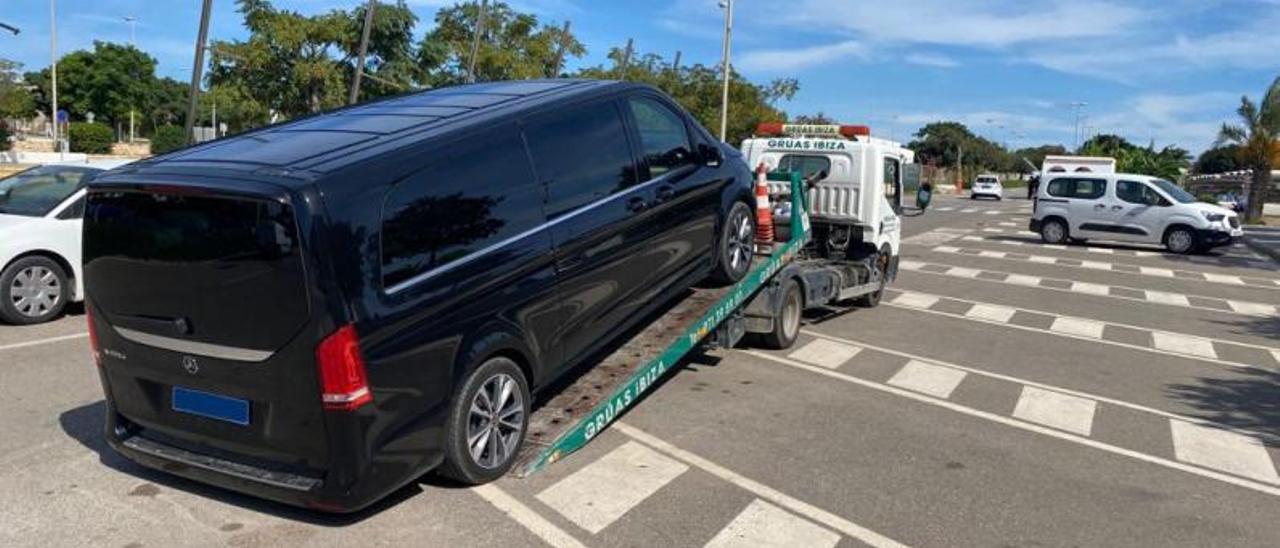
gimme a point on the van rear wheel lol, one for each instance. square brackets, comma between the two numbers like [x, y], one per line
[1054, 231]
[487, 423]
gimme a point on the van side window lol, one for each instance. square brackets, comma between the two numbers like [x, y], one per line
[1082, 189]
[1135, 192]
[663, 136]
[581, 154]
[1060, 188]
[805, 164]
[478, 193]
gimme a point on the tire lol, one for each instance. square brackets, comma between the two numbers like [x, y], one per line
[1054, 231]
[1182, 240]
[872, 300]
[735, 246]
[494, 377]
[33, 290]
[786, 319]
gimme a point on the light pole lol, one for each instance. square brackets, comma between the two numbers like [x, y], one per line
[475, 43]
[133, 23]
[727, 5]
[364, 49]
[197, 66]
[53, 68]
[1077, 105]
[11, 28]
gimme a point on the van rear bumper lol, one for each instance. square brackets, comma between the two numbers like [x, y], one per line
[310, 492]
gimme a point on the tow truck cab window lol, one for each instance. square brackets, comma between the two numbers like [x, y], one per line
[479, 192]
[581, 153]
[892, 167]
[663, 136]
[805, 164]
[1082, 189]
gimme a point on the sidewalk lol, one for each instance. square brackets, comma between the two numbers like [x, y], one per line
[1264, 240]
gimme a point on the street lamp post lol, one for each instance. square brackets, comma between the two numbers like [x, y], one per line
[475, 43]
[1077, 105]
[724, 68]
[133, 23]
[53, 69]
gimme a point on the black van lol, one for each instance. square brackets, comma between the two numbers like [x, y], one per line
[321, 311]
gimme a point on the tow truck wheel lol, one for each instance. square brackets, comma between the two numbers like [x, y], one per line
[872, 300]
[786, 319]
[487, 423]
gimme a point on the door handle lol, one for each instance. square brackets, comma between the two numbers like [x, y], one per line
[1100, 206]
[665, 193]
[636, 204]
[1117, 208]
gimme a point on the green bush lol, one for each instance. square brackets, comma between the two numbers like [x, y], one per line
[168, 138]
[90, 138]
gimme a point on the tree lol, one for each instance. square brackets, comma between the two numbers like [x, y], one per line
[698, 88]
[1258, 136]
[1166, 163]
[1035, 156]
[1218, 160]
[108, 81]
[513, 46]
[16, 100]
[949, 143]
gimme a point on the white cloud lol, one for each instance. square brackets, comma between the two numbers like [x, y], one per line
[931, 60]
[778, 60]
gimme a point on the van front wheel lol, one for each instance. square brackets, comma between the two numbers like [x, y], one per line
[487, 423]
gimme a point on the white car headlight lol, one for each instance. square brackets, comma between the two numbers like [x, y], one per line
[1213, 217]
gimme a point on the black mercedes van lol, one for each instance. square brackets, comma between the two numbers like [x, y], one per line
[319, 312]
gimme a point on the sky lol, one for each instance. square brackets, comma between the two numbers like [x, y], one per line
[1162, 71]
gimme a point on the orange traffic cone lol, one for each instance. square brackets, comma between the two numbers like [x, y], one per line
[764, 212]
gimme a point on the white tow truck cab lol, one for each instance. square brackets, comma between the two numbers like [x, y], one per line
[854, 209]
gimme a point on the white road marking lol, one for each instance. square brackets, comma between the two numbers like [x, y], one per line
[946, 249]
[1254, 309]
[48, 340]
[994, 230]
[758, 489]
[1102, 250]
[991, 212]
[536, 524]
[993, 312]
[1090, 288]
[992, 254]
[915, 300]
[1055, 409]
[962, 272]
[1182, 344]
[1023, 279]
[1078, 326]
[1043, 259]
[969, 210]
[1275, 355]
[1222, 450]
[945, 209]
[1095, 265]
[934, 380]
[1154, 271]
[1273, 438]
[603, 491]
[1222, 278]
[908, 264]
[826, 353]
[764, 525]
[1030, 427]
[1008, 224]
[1164, 297]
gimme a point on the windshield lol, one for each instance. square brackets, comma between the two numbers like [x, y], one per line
[37, 191]
[1174, 191]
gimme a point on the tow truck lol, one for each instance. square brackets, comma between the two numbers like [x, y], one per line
[851, 264]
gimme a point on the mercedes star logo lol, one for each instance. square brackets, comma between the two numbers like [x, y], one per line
[190, 364]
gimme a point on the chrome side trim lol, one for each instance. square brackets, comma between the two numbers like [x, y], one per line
[495, 246]
[193, 347]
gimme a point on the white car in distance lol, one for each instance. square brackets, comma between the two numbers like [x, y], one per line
[986, 185]
[41, 211]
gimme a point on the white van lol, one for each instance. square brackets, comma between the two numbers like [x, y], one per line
[1124, 207]
[854, 209]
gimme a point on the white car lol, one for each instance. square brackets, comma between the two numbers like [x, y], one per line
[1129, 208]
[41, 212]
[986, 185]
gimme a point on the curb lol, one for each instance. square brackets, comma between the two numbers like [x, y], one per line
[1270, 251]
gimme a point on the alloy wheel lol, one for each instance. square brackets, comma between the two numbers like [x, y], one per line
[739, 246]
[35, 291]
[496, 422]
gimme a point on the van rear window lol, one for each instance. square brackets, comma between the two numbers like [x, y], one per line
[480, 192]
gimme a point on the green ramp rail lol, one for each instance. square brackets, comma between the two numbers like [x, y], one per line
[570, 430]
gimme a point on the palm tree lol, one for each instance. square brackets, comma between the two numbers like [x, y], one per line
[1258, 136]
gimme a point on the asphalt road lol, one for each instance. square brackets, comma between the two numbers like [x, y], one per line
[1005, 394]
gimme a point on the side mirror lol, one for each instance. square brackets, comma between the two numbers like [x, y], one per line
[711, 154]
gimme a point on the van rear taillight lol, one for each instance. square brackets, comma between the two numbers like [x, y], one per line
[93, 337]
[343, 383]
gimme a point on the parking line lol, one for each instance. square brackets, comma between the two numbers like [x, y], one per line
[536, 524]
[758, 489]
[1228, 451]
[763, 524]
[924, 378]
[825, 353]
[1272, 438]
[1064, 412]
[1083, 329]
[601, 492]
[1121, 268]
[1028, 426]
[44, 341]
[1184, 345]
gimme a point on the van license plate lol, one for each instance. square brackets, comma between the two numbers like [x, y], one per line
[213, 406]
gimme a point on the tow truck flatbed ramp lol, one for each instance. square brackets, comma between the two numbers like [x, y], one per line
[575, 415]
